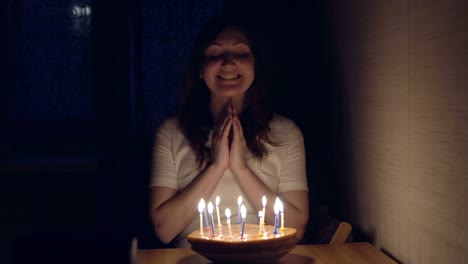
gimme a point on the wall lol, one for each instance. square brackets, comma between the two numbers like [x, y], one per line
[402, 71]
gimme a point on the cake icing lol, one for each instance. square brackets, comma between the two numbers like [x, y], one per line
[252, 242]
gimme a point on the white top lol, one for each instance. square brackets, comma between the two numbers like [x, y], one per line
[284, 169]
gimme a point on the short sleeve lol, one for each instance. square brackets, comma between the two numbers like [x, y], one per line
[163, 172]
[293, 173]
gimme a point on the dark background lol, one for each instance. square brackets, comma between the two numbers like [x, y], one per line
[82, 96]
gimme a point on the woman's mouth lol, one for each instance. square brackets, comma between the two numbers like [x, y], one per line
[229, 76]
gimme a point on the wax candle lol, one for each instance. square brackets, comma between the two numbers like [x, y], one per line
[202, 201]
[264, 202]
[201, 205]
[277, 203]
[260, 224]
[217, 210]
[204, 213]
[210, 211]
[244, 215]
[281, 209]
[276, 209]
[239, 202]
[228, 220]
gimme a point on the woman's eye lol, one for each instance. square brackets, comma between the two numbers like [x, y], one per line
[213, 56]
[221, 56]
[242, 55]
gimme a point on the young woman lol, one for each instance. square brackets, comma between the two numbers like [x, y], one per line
[226, 141]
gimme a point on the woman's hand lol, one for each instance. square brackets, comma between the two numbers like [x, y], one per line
[237, 153]
[220, 142]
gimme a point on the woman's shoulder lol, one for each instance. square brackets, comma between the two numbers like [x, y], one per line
[171, 121]
[282, 122]
[283, 129]
[169, 124]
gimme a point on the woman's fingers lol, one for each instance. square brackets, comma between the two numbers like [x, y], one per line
[222, 130]
[238, 148]
[226, 115]
[238, 134]
[238, 131]
[220, 144]
[220, 125]
[227, 128]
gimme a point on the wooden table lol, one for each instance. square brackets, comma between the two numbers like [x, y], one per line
[348, 253]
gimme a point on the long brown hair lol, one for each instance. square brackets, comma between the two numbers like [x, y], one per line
[195, 118]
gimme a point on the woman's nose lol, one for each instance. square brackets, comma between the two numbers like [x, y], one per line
[228, 60]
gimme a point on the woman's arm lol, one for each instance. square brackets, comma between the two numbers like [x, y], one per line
[172, 211]
[295, 203]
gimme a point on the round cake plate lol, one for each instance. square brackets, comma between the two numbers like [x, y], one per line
[267, 257]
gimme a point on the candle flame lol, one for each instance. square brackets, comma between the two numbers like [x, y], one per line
[201, 205]
[239, 200]
[217, 201]
[243, 212]
[276, 206]
[228, 213]
[210, 207]
[260, 213]
[280, 206]
[264, 201]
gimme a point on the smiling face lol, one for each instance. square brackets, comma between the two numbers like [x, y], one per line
[228, 68]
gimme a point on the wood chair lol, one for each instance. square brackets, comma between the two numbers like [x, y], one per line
[342, 233]
[325, 229]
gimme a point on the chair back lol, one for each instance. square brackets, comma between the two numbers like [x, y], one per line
[342, 233]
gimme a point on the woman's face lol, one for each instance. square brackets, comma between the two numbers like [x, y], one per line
[228, 69]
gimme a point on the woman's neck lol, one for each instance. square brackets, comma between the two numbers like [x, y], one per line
[218, 106]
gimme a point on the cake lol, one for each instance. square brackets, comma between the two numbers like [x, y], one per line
[252, 247]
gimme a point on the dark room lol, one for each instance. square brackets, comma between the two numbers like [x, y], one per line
[304, 131]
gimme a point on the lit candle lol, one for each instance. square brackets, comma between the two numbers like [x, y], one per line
[244, 215]
[228, 221]
[239, 202]
[260, 215]
[276, 209]
[201, 206]
[281, 209]
[204, 213]
[217, 210]
[264, 202]
[210, 211]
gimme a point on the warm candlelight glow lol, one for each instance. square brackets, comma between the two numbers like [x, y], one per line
[260, 223]
[210, 207]
[210, 211]
[239, 202]
[280, 207]
[217, 209]
[264, 202]
[228, 221]
[204, 213]
[276, 209]
[244, 215]
[201, 206]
